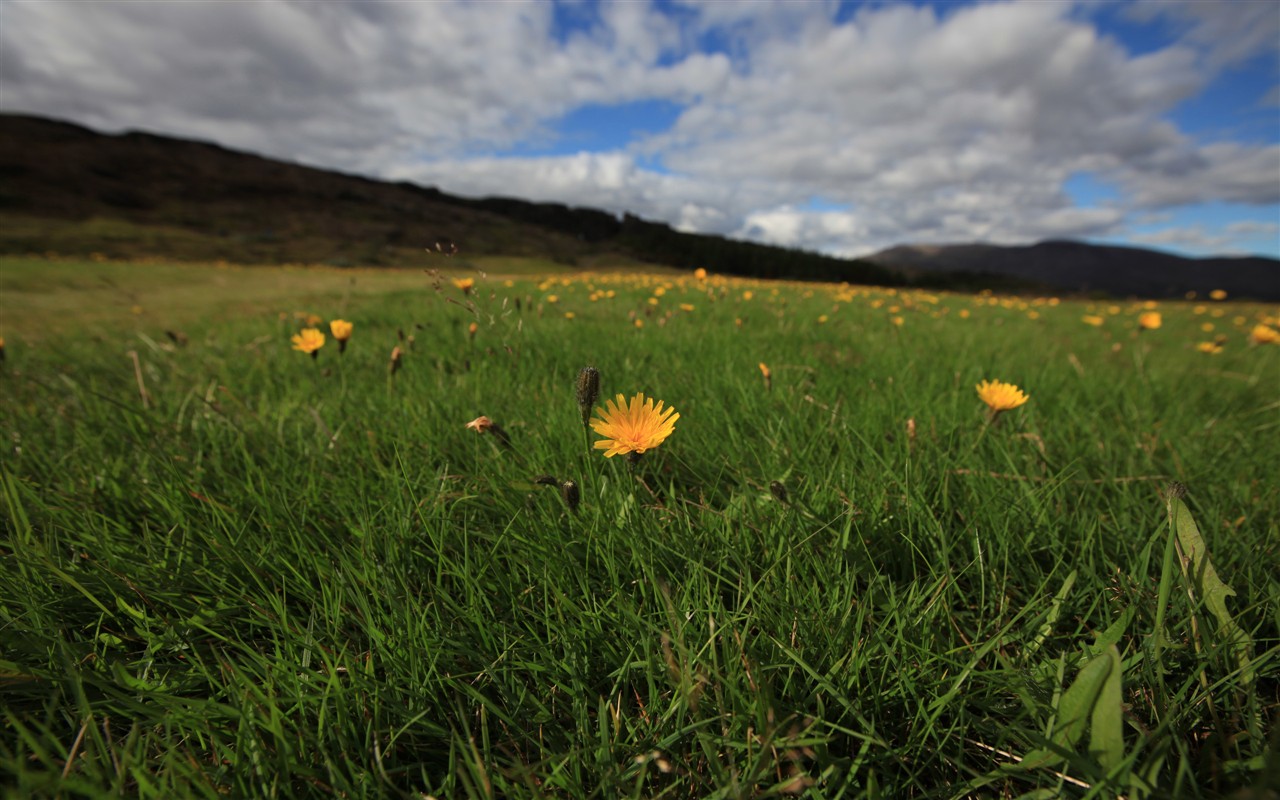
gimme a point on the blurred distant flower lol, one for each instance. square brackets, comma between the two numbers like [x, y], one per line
[686, 306]
[341, 330]
[633, 427]
[700, 274]
[569, 315]
[314, 320]
[1150, 320]
[471, 330]
[1093, 320]
[1, 348]
[309, 340]
[767, 375]
[639, 323]
[1218, 294]
[397, 355]
[899, 321]
[747, 295]
[1261, 334]
[1213, 348]
[1001, 396]
[465, 284]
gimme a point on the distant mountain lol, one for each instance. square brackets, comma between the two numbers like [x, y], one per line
[1077, 267]
[69, 190]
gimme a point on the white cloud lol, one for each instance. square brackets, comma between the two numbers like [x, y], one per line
[914, 124]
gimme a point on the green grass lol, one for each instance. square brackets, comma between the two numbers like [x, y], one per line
[233, 570]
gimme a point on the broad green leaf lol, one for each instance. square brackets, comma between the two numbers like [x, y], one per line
[1106, 726]
[1209, 586]
[1074, 709]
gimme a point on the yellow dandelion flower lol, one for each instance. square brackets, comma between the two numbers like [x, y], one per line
[1261, 334]
[1092, 319]
[1150, 320]
[553, 298]
[1213, 348]
[1001, 396]
[899, 321]
[686, 306]
[569, 315]
[465, 284]
[747, 295]
[964, 313]
[341, 329]
[309, 340]
[1207, 327]
[700, 274]
[633, 427]
[822, 319]
[639, 323]
[1218, 294]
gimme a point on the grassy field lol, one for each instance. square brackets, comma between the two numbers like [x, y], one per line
[231, 569]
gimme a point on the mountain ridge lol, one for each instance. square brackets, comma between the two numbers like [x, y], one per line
[66, 188]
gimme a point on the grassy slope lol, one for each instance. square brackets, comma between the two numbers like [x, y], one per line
[284, 576]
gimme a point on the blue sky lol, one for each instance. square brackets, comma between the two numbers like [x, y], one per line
[832, 126]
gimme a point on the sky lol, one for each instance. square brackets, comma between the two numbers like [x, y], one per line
[837, 127]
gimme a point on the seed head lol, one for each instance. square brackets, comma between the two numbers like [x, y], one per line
[572, 497]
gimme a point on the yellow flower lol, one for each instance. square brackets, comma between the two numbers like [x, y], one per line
[1261, 334]
[700, 274]
[1001, 396]
[569, 315]
[634, 427]
[310, 340]
[686, 306]
[465, 284]
[897, 321]
[1095, 321]
[1212, 348]
[1150, 320]
[1218, 294]
[747, 295]
[341, 329]
[314, 320]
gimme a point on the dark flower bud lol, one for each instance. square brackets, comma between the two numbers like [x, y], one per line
[588, 391]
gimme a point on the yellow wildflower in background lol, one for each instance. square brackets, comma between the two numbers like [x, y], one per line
[700, 274]
[465, 284]
[309, 340]
[1092, 319]
[341, 330]
[1213, 348]
[633, 427]
[1261, 334]
[1150, 320]
[1218, 294]
[1001, 396]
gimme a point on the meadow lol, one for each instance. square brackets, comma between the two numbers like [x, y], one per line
[231, 568]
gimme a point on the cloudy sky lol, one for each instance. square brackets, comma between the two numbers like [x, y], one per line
[833, 126]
